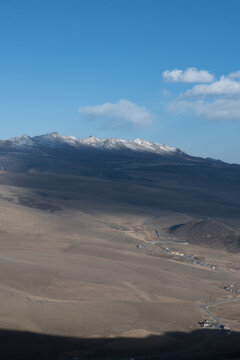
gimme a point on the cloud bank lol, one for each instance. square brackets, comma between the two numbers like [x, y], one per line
[214, 100]
[123, 111]
[191, 75]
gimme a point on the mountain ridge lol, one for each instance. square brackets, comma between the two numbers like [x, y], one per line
[54, 139]
[166, 180]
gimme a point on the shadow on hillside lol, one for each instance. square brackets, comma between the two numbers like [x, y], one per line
[198, 344]
[55, 192]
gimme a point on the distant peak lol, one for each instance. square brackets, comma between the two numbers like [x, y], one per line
[22, 140]
[93, 138]
[25, 136]
[54, 134]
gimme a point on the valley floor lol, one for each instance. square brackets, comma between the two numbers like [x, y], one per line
[94, 275]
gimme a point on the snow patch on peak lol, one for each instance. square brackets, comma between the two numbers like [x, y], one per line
[24, 140]
[141, 141]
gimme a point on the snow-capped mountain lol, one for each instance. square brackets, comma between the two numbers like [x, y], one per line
[54, 140]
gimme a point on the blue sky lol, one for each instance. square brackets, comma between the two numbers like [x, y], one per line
[163, 70]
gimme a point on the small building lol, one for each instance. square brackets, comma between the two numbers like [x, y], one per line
[227, 330]
[177, 253]
[206, 323]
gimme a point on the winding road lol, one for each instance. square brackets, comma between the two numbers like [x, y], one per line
[224, 301]
[212, 334]
[163, 240]
[205, 307]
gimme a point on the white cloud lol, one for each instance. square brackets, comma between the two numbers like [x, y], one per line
[219, 100]
[191, 75]
[219, 109]
[224, 86]
[123, 111]
[234, 75]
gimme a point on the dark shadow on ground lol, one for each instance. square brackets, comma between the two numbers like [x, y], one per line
[198, 344]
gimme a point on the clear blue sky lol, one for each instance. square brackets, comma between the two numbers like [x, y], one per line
[109, 68]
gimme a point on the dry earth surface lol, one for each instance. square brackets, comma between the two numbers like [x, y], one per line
[70, 268]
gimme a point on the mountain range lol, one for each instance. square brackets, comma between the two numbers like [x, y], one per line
[54, 140]
[19, 153]
[137, 172]
[114, 243]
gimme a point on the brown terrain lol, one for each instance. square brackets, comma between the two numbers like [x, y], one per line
[208, 233]
[90, 270]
